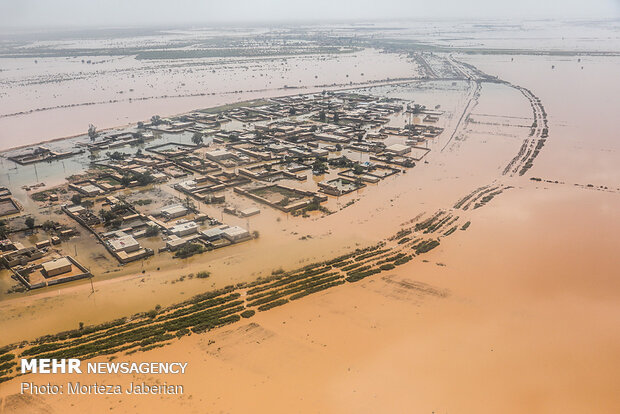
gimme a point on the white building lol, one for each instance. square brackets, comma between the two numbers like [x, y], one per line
[214, 233]
[219, 154]
[184, 229]
[236, 233]
[174, 211]
[398, 149]
[124, 244]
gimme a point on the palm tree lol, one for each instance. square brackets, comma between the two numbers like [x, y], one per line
[29, 222]
[92, 132]
[197, 138]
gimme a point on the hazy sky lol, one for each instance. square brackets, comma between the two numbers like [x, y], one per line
[28, 13]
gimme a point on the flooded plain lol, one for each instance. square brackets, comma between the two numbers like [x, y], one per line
[517, 313]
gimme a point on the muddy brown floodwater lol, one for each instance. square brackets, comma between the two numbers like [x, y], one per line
[519, 313]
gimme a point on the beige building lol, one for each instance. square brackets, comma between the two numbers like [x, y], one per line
[57, 267]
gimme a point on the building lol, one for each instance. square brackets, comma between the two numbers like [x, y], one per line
[56, 267]
[184, 229]
[174, 211]
[76, 210]
[250, 211]
[320, 152]
[6, 245]
[125, 244]
[42, 244]
[8, 206]
[89, 190]
[219, 155]
[214, 233]
[398, 149]
[236, 233]
[175, 242]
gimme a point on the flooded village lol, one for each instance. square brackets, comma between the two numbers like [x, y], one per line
[377, 217]
[169, 186]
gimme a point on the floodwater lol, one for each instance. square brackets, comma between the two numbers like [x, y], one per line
[529, 319]
[422, 189]
[66, 95]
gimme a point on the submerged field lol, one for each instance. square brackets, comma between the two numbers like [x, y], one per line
[482, 280]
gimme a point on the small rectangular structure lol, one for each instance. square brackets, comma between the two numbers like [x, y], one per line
[56, 267]
[398, 149]
[124, 244]
[281, 197]
[86, 188]
[8, 206]
[214, 233]
[236, 234]
[218, 155]
[340, 186]
[42, 244]
[250, 211]
[184, 229]
[175, 242]
[76, 209]
[174, 211]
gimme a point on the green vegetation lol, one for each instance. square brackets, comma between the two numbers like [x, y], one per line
[273, 304]
[341, 162]
[189, 249]
[29, 222]
[450, 231]
[319, 167]
[401, 233]
[182, 332]
[370, 254]
[351, 267]
[144, 178]
[151, 231]
[197, 138]
[435, 222]
[317, 289]
[314, 205]
[92, 132]
[425, 246]
[210, 310]
[248, 313]
[361, 274]
[6, 357]
[116, 155]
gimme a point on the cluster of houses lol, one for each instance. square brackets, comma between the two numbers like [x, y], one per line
[179, 232]
[263, 150]
[38, 266]
[40, 154]
[118, 139]
[283, 141]
[172, 223]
